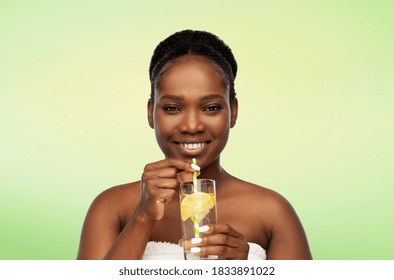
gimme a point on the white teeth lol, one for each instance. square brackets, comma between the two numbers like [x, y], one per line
[192, 146]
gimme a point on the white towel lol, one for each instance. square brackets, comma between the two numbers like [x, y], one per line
[170, 251]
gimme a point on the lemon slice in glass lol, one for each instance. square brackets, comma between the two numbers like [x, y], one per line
[197, 204]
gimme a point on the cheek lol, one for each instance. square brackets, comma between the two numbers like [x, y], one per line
[163, 124]
[162, 133]
[220, 127]
[223, 121]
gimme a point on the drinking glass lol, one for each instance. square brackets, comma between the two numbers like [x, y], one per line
[198, 208]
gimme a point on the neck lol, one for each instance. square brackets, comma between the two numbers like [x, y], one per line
[214, 171]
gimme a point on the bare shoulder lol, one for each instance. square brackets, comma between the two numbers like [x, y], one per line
[281, 231]
[273, 207]
[120, 200]
[120, 193]
[277, 209]
[105, 219]
[261, 198]
[264, 206]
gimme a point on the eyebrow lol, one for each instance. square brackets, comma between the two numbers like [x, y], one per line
[204, 98]
[172, 97]
[212, 96]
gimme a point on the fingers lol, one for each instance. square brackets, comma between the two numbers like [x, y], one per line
[218, 234]
[184, 177]
[170, 162]
[219, 252]
[220, 228]
[163, 196]
[170, 168]
[168, 173]
[221, 240]
[159, 183]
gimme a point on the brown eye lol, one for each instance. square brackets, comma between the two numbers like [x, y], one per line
[170, 108]
[213, 108]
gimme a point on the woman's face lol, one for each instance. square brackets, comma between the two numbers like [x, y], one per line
[191, 112]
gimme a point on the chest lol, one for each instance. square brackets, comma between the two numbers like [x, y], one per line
[241, 218]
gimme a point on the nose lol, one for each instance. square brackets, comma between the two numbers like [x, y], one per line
[191, 123]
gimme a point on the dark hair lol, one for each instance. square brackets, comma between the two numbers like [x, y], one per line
[200, 43]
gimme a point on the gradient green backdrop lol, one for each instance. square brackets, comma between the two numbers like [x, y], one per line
[315, 89]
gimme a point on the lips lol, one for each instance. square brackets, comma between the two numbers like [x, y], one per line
[192, 146]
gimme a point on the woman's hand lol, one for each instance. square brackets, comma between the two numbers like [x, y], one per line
[159, 184]
[221, 240]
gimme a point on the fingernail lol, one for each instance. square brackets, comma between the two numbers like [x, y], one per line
[213, 257]
[195, 250]
[204, 228]
[195, 167]
[196, 240]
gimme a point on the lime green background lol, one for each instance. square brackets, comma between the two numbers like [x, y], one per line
[315, 89]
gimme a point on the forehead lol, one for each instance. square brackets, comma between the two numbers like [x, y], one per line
[189, 74]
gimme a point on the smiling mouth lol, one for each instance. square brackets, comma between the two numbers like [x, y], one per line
[192, 146]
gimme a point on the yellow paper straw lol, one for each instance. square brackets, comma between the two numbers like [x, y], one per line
[195, 189]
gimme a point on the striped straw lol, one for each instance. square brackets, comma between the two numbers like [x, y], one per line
[195, 189]
[195, 186]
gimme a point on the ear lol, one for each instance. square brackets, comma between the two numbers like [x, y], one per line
[150, 113]
[234, 112]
